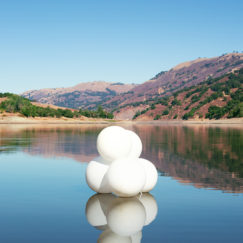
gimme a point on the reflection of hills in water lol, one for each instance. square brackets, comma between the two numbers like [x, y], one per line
[205, 156]
[76, 142]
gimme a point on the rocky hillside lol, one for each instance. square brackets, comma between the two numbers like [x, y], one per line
[213, 99]
[183, 75]
[84, 95]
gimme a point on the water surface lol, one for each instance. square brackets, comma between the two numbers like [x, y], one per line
[44, 197]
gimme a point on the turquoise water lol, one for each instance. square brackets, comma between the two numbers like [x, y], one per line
[44, 197]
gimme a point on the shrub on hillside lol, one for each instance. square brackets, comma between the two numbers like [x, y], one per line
[165, 112]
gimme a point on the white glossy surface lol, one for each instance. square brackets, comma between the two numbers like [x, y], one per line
[96, 177]
[94, 212]
[126, 216]
[151, 174]
[113, 142]
[126, 177]
[136, 148]
[119, 169]
[150, 206]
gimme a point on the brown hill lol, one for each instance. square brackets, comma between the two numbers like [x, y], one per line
[213, 99]
[165, 83]
[85, 95]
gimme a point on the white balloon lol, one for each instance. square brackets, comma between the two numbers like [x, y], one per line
[94, 212]
[126, 216]
[96, 177]
[151, 174]
[150, 205]
[113, 143]
[137, 147]
[110, 237]
[126, 177]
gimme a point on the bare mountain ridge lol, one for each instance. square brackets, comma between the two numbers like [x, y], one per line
[85, 95]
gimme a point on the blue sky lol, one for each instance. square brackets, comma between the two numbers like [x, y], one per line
[59, 43]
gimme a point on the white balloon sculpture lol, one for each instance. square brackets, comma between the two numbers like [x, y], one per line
[121, 219]
[119, 169]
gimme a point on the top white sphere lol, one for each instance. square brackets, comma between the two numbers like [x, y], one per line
[114, 142]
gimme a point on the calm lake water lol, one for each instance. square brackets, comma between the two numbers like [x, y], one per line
[44, 196]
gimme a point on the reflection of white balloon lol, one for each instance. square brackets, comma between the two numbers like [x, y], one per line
[136, 148]
[126, 177]
[136, 238]
[96, 177]
[121, 218]
[113, 142]
[150, 205]
[126, 216]
[94, 212]
[151, 174]
[110, 237]
[106, 202]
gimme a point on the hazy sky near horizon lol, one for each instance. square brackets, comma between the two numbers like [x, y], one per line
[60, 43]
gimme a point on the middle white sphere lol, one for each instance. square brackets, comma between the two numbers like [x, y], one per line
[126, 177]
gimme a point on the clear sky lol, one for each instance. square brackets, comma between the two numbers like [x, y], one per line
[60, 43]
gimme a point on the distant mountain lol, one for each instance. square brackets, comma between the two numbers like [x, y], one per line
[84, 95]
[12, 104]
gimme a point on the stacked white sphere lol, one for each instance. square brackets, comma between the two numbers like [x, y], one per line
[119, 169]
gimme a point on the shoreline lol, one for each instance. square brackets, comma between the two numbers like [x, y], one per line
[65, 121]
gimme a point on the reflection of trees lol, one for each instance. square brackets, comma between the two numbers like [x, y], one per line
[191, 171]
[207, 156]
[13, 143]
[65, 143]
[77, 142]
